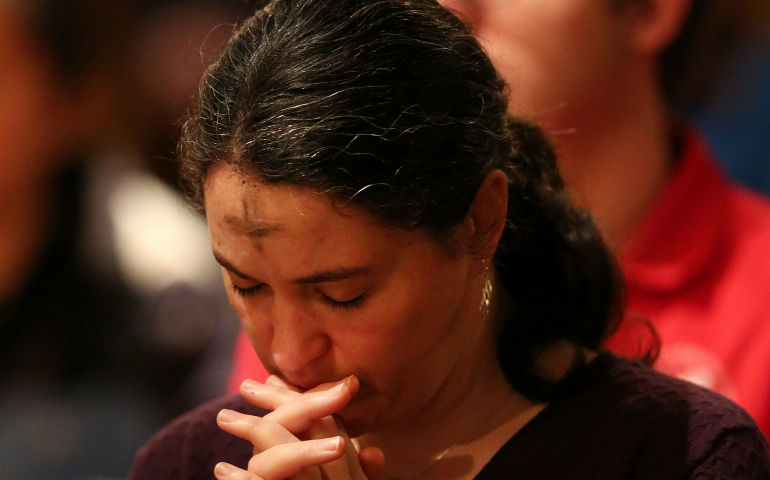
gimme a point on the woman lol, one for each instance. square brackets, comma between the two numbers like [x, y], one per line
[405, 261]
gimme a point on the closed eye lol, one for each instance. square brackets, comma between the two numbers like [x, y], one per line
[347, 304]
[247, 292]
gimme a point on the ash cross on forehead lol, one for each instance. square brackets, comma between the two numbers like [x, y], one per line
[259, 229]
[252, 228]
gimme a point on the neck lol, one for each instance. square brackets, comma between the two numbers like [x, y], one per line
[617, 161]
[25, 217]
[469, 419]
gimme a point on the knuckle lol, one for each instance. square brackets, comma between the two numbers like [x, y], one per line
[256, 465]
[247, 476]
[281, 461]
[303, 450]
[323, 427]
[257, 430]
[262, 431]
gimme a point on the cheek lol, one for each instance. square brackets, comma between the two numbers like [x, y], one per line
[530, 62]
[389, 323]
[552, 54]
[252, 315]
[406, 346]
[415, 319]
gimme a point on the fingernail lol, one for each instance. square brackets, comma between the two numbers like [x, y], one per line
[249, 384]
[330, 444]
[333, 392]
[353, 384]
[227, 416]
[223, 469]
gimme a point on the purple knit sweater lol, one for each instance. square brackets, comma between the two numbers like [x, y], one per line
[625, 421]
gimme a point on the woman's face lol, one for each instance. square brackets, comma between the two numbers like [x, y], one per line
[324, 292]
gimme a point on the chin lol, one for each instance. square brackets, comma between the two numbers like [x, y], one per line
[360, 416]
[355, 425]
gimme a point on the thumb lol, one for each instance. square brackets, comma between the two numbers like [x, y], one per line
[372, 462]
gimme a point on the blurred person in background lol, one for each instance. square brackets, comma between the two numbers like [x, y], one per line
[605, 79]
[92, 299]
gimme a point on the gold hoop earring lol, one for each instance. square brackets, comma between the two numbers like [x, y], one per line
[486, 294]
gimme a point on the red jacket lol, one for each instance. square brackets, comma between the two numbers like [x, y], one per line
[698, 268]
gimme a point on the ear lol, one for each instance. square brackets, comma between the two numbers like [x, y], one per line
[487, 215]
[657, 23]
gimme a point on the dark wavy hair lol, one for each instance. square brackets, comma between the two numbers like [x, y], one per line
[391, 105]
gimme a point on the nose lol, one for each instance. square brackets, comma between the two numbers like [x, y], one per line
[297, 339]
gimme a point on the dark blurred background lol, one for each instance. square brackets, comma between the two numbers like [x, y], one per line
[736, 117]
[113, 318]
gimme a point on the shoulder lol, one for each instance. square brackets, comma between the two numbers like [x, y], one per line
[675, 426]
[626, 420]
[636, 387]
[189, 447]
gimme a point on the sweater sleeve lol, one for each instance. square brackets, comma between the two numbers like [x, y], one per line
[190, 447]
[161, 458]
[737, 455]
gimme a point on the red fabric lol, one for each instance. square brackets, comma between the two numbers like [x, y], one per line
[699, 270]
[246, 364]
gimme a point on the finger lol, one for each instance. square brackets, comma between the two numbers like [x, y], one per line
[347, 465]
[276, 381]
[225, 471]
[288, 459]
[269, 397]
[261, 432]
[301, 413]
[351, 381]
[372, 462]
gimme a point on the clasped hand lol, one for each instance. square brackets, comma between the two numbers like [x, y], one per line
[299, 439]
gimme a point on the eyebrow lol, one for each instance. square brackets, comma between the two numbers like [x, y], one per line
[252, 228]
[229, 266]
[334, 275]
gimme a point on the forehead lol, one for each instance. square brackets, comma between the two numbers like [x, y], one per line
[241, 206]
[250, 207]
[279, 232]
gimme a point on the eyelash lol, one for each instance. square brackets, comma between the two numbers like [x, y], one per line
[247, 292]
[347, 304]
[334, 304]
